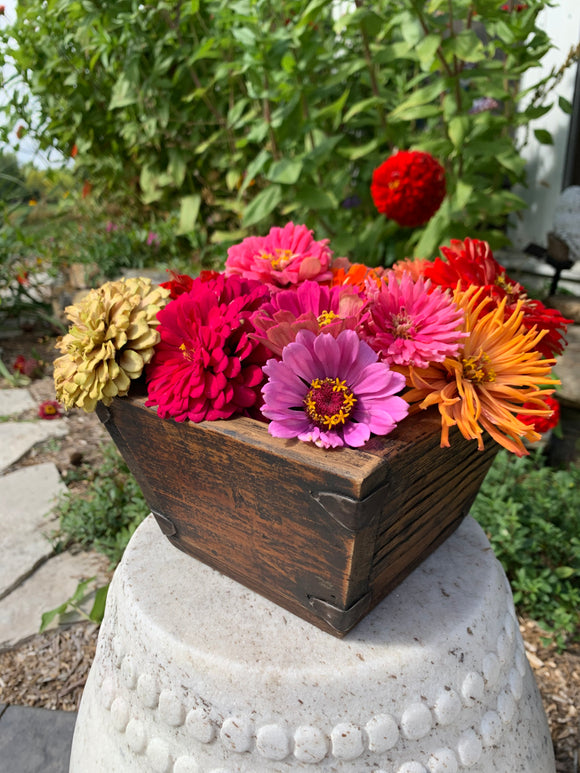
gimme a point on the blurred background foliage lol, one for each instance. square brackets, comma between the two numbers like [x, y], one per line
[204, 121]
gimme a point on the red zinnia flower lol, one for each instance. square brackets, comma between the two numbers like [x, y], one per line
[74, 151]
[27, 366]
[49, 409]
[87, 188]
[471, 262]
[541, 424]
[206, 366]
[409, 187]
[178, 284]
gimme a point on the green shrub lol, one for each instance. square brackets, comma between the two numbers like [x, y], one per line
[531, 514]
[106, 515]
[250, 113]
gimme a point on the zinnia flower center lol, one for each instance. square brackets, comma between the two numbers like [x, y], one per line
[326, 318]
[188, 352]
[50, 410]
[329, 402]
[477, 369]
[279, 259]
[402, 325]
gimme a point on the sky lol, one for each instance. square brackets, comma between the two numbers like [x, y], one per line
[28, 150]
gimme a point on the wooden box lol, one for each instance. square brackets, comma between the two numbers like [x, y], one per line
[325, 534]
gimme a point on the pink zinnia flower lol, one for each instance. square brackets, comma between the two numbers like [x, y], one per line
[206, 366]
[286, 256]
[415, 267]
[331, 391]
[412, 323]
[310, 306]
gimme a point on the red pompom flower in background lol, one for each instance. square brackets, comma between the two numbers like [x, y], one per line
[409, 187]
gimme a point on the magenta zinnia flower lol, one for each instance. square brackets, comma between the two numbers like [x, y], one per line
[286, 256]
[412, 323]
[331, 391]
[206, 366]
[310, 306]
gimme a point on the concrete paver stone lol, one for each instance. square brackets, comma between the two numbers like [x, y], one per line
[35, 740]
[15, 401]
[50, 585]
[26, 496]
[18, 437]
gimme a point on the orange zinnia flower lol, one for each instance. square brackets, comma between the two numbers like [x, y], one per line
[497, 369]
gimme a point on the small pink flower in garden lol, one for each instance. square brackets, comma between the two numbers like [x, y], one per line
[49, 409]
[481, 104]
[206, 366]
[412, 323]
[111, 226]
[285, 256]
[331, 391]
[310, 306]
[152, 238]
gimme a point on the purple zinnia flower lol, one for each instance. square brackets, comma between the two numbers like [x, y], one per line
[332, 391]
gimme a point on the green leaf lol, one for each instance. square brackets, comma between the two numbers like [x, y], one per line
[334, 109]
[286, 171]
[364, 104]
[360, 151]
[458, 128]
[98, 609]
[421, 96]
[315, 198]
[177, 166]
[244, 36]
[124, 93]
[311, 12]
[563, 572]
[465, 46]
[47, 617]
[262, 205]
[463, 193]
[565, 105]
[431, 237]
[543, 136]
[188, 212]
[254, 168]
[426, 50]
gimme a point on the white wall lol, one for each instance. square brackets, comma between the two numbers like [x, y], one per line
[545, 163]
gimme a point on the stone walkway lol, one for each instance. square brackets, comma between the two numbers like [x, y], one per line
[33, 578]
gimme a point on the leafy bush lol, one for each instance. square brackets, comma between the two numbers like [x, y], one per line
[531, 514]
[247, 112]
[106, 515]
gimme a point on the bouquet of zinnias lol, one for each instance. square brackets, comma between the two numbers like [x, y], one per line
[324, 350]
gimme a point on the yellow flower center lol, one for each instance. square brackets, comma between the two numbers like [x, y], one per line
[279, 259]
[326, 318]
[329, 402]
[402, 325]
[49, 410]
[477, 369]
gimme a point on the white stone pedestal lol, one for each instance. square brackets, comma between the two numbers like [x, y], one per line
[195, 673]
